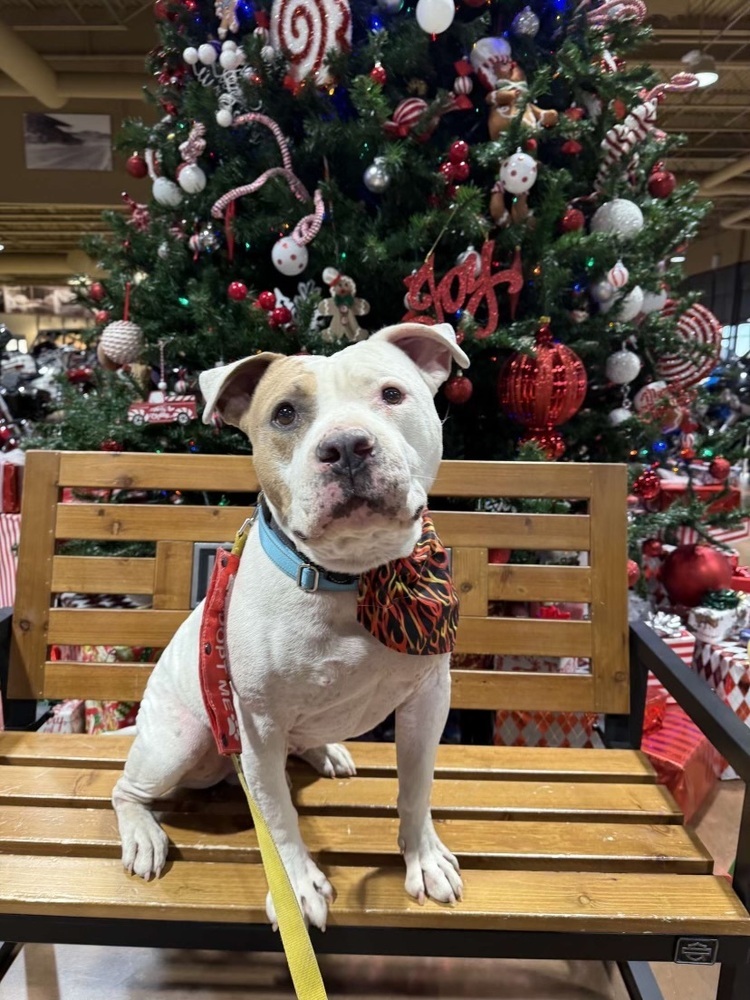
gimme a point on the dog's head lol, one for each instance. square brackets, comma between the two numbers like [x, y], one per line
[345, 447]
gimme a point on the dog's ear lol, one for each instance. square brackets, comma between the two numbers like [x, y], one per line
[229, 389]
[431, 348]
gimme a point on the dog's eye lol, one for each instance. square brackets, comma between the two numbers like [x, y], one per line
[284, 415]
[392, 395]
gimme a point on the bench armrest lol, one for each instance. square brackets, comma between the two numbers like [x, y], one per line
[720, 725]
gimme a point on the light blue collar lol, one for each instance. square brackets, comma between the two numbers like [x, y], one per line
[282, 554]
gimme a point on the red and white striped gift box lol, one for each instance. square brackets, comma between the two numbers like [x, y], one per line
[10, 532]
[724, 665]
[689, 536]
[682, 643]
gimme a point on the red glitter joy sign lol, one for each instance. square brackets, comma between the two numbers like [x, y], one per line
[466, 287]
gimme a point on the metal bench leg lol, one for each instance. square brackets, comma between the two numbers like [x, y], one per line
[734, 982]
[9, 951]
[639, 981]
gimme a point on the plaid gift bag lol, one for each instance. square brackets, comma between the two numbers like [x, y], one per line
[724, 665]
[546, 729]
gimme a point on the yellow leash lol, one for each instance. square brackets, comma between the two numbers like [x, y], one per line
[300, 955]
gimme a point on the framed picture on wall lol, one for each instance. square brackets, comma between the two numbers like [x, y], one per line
[67, 142]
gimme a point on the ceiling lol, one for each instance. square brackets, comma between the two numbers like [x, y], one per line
[93, 51]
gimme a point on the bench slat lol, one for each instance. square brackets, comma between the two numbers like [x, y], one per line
[101, 575]
[584, 902]
[549, 763]
[485, 844]
[371, 796]
[510, 582]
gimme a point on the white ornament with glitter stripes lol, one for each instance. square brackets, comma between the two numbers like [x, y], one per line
[305, 31]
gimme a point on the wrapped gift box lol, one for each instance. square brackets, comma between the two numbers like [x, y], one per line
[10, 533]
[724, 665]
[683, 759]
[712, 624]
[67, 717]
[722, 498]
[689, 536]
[546, 729]
[107, 716]
[670, 628]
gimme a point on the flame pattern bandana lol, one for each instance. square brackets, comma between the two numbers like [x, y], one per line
[410, 605]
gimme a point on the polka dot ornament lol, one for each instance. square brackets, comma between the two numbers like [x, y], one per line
[700, 333]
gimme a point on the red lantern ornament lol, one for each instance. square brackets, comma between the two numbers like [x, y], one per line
[267, 301]
[691, 571]
[237, 291]
[652, 548]
[572, 221]
[662, 182]
[647, 486]
[458, 389]
[634, 572]
[542, 390]
[136, 166]
[378, 73]
[720, 468]
[459, 151]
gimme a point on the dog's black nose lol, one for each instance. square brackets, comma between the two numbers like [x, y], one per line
[346, 452]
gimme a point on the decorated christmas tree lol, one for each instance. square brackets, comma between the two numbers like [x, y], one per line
[321, 168]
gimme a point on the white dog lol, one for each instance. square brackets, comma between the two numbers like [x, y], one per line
[346, 448]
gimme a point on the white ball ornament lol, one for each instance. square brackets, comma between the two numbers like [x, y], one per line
[619, 416]
[121, 342]
[229, 45]
[630, 305]
[166, 192]
[435, 16]
[654, 302]
[622, 367]
[207, 54]
[190, 55]
[268, 53]
[518, 172]
[289, 256]
[618, 217]
[229, 59]
[191, 178]
[224, 117]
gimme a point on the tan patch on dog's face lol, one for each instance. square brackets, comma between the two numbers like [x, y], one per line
[288, 380]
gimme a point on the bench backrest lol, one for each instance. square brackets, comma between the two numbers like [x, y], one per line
[163, 578]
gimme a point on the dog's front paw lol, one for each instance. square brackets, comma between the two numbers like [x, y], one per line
[431, 869]
[313, 890]
[332, 760]
[144, 843]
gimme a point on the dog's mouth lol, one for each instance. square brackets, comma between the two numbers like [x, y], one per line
[358, 512]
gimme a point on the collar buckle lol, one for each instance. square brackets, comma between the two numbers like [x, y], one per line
[308, 578]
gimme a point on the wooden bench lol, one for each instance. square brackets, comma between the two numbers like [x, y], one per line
[565, 853]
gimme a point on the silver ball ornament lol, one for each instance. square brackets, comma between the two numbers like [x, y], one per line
[376, 177]
[268, 53]
[163, 251]
[166, 192]
[618, 217]
[191, 178]
[630, 305]
[390, 6]
[619, 416]
[601, 291]
[525, 24]
[622, 367]
[289, 256]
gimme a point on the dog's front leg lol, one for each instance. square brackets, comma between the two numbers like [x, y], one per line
[431, 869]
[264, 754]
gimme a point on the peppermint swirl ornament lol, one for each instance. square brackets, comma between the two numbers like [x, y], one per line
[700, 333]
[305, 31]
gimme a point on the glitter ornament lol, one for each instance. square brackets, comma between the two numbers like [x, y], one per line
[720, 468]
[166, 192]
[662, 182]
[629, 306]
[690, 571]
[542, 390]
[191, 178]
[647, 486]
[305, 31]
[619, 275]
[622, 367]
[653, 301]
[237, 291]
[458, 389]
[289, 256]
[618, 217]
[136, 166]
[376, 178]
[572, 221]
[619, 416]
[525, 24]
[518, 172]
[435, 16]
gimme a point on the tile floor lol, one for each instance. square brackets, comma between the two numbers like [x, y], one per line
[44, 972]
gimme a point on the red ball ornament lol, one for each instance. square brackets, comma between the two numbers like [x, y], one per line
[101, 316]
[458, 389]
[136, 166]
[542, 390]
[691, 571]
[619, 108]
[572, 147]
[720, 468]
[531, 145]
[191, 6]
[475, 3]
[461, 171]
[662, 182]
[459, 151]
[237, 291]
[448, 171]
[97, 291]
[280, 316]
[109, 444]
[378, 73]
[164, 10]
[648, 485]
[575, 114]
[497, 557]
[267, 301]
[634, 572]
[652, 548]
[572, 221]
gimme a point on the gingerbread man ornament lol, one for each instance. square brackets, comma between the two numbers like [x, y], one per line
[343, 307]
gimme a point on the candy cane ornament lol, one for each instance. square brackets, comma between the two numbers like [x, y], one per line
[289, 253]
[623, 137]
[305, 31]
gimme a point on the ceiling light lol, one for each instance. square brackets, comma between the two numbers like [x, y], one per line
[2, 247]
[702, 65]
[677, 260]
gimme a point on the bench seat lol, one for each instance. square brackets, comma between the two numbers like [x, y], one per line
[553, 840]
